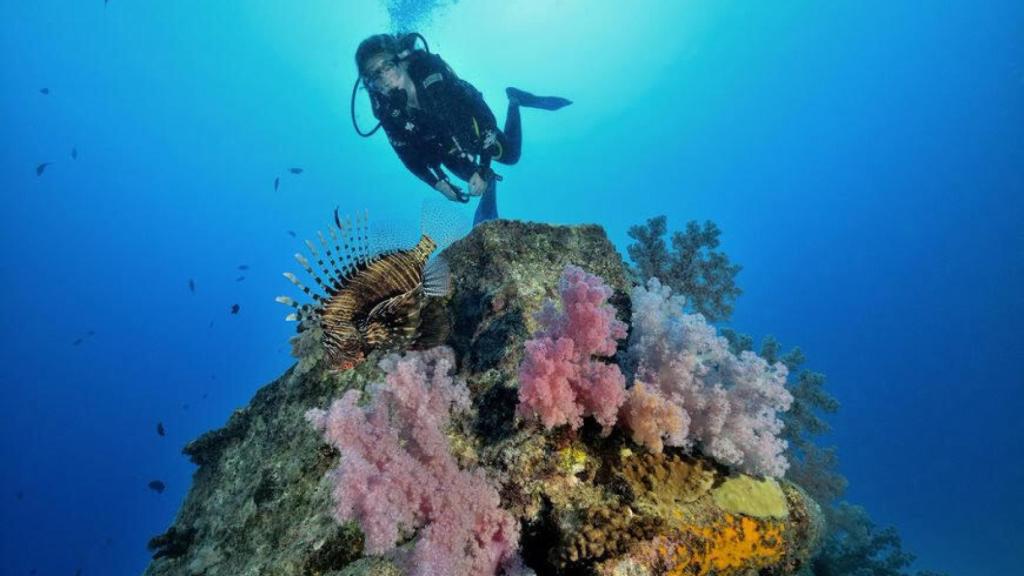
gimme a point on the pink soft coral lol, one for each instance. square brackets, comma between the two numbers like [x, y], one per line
[397, 476]
[731, 402]
[560, 382]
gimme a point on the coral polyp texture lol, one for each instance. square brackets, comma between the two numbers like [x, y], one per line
[594, 452]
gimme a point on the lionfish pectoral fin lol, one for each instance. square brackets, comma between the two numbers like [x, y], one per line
[436, 277]
[397, 316]
[434, 326]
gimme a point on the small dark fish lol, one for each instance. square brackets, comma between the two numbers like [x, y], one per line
[184, 406]
[191, 285]
[78, 572]
[108, 541]
[243, 266]
[291, 233]
[160, 429]
[42, 168]
[235, 308]
[337, 220]
[91, 332]
[44, 91]
[76, 342]
[74, 153]
[277, 183]
[20, 495]
[32, 571]
[205, 394]
[295, 170]
[211, 324]
[240, 278]
[156, 486]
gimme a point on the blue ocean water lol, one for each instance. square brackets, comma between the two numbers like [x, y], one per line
[863, 160]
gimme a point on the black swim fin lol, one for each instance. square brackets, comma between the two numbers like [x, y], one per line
[530, 101]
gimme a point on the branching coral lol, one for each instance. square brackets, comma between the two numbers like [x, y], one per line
[693, 269]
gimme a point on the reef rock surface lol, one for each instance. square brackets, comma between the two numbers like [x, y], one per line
[260, 504]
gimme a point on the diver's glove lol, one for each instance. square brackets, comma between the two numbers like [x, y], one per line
[487, 174]
[451, 192]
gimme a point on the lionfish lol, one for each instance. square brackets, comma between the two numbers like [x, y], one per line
[370, 300]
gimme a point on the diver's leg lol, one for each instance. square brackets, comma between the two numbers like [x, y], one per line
[511, 138]
[487, 209]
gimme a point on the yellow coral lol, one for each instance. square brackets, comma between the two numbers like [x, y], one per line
[753, 497]
[572, 460]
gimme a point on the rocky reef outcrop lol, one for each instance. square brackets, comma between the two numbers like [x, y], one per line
[587, 503]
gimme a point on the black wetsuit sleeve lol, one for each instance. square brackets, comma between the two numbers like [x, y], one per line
[412, 157]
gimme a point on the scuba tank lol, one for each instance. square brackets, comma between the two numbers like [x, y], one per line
[405, 45]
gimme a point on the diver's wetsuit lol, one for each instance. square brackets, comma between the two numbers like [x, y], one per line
[452, 127]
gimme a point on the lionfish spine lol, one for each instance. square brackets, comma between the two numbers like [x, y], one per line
[319, 262]
[336, 273]
[316, 277]
[344, 243]
[291, 278]
[343, 258]
[294, 316]
[361, 240]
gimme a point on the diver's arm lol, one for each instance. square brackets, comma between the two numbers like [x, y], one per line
[413, 159]
[432, 175]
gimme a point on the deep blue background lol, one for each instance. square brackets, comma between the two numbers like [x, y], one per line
[863, 159]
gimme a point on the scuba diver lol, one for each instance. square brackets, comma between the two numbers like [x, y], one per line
[433, 118]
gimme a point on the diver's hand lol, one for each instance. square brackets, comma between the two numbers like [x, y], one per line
[477, 185]
[450, 192]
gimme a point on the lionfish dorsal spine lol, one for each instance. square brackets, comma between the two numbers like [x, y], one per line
[299, 314]
[309, 270]
[344, 260]
[361, 240]
[345, 245]
[334, 273]
[317, 297]
[320, 263]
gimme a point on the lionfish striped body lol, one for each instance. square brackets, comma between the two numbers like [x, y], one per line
[370, 301]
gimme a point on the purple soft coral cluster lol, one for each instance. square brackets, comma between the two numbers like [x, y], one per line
[690, 390]
[560, 381]
[727, 404]
[397, 475]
